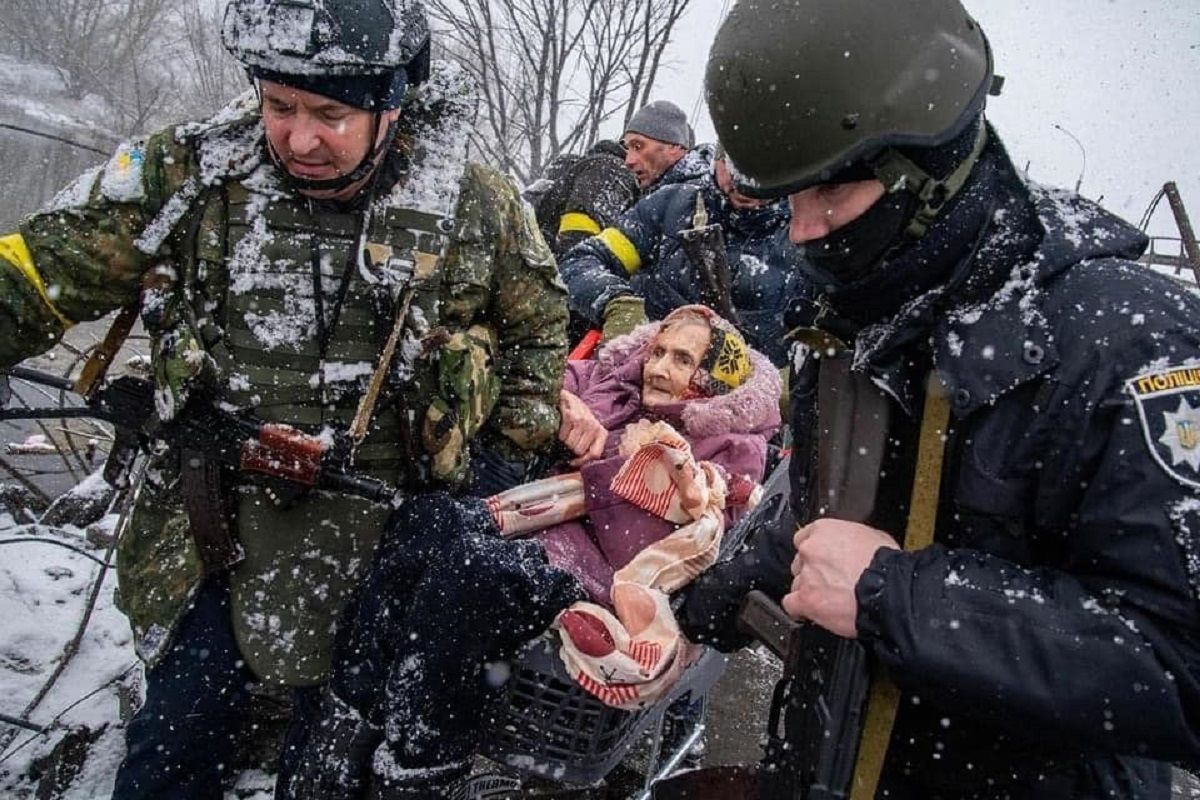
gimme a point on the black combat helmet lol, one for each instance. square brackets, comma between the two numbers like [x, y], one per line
[332, 39]
[364, 53]
[803, 91]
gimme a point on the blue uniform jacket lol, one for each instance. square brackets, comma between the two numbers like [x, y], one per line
[641, 255]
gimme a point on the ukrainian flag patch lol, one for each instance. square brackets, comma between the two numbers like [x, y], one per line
[121, 181]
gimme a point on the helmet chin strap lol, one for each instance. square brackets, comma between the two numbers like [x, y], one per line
[365, 167]
[897, 173]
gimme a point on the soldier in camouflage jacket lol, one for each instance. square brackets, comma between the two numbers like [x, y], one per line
[268, 282]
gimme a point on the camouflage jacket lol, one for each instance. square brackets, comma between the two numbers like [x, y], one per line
[175, 219]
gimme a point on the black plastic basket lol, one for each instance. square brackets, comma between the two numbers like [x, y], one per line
[547, 725]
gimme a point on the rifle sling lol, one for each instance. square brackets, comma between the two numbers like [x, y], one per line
[208, 515]
[884, 698]
[366, 404]
[715, 280]
[102, 356]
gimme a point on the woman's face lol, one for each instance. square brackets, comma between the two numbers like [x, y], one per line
[671, 361]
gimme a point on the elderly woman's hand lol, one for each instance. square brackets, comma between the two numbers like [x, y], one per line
[580, 431]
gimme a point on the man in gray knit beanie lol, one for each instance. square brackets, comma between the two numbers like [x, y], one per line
[657, 137]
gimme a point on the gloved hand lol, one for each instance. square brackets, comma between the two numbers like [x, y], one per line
[712, 601]
[622, 315]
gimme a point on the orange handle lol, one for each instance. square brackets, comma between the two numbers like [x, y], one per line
[586, 347]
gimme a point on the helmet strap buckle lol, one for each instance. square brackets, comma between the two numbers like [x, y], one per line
[899, 173]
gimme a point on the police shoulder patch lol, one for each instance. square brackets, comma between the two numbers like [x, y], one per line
[1168, 405]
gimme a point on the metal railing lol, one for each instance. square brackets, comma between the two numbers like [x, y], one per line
[1182, 252]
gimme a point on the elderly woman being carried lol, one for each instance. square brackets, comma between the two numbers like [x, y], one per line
[669, 428]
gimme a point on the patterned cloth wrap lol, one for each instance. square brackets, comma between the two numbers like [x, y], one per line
[537, 505]
[630, 658]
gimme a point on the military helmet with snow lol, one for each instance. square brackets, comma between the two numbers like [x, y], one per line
[799, 91]
[378, 39]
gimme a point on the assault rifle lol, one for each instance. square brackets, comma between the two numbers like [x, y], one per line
[270, 451]
[704, 246]
[816, 723]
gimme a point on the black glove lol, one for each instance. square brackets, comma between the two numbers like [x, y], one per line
[711, 603]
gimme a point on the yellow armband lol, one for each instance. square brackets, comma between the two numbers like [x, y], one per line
[619, 245]
[14, 250]
[578, 222]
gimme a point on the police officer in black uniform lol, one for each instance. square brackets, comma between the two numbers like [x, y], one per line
[1047, 644]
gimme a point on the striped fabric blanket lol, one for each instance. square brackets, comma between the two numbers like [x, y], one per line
[538, 505]
[631, 658]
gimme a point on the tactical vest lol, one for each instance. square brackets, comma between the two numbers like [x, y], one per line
[277, 361]
[275, 357]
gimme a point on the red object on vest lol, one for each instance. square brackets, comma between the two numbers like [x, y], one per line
[284, 452]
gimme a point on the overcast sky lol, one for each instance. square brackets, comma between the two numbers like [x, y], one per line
[1122, 76]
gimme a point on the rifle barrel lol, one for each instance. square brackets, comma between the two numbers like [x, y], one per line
[44, 378]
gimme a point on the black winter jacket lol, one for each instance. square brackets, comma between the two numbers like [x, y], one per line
[594, 187]
[1048, 643]
[642, 256]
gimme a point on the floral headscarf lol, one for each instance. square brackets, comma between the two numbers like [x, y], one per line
[726, 363]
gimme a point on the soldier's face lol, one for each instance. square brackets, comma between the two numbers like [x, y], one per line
[736, 198]
[649, 158]
[820, 210]
[672, 360]
[317, 138]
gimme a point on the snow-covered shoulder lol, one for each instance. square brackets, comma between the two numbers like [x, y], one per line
[436, 120]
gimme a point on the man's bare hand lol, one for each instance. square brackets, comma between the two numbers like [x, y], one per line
[580, 431]
[831, 555]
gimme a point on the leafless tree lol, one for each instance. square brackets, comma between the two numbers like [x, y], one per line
[101, 47]
[551, 72]
[205, 75]
[151, 61]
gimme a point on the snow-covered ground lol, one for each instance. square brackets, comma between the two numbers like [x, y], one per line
[44, 592]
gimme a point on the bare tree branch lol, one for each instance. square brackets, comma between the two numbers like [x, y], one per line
[551, 72]
[149, 61]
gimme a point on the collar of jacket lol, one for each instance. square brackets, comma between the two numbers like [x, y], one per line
[762, 221]
[980, 325]
[748, 223]
[988, 348]
[987, 333]
[693, 165]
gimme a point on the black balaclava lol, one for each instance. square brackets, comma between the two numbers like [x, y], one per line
[849, 254]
